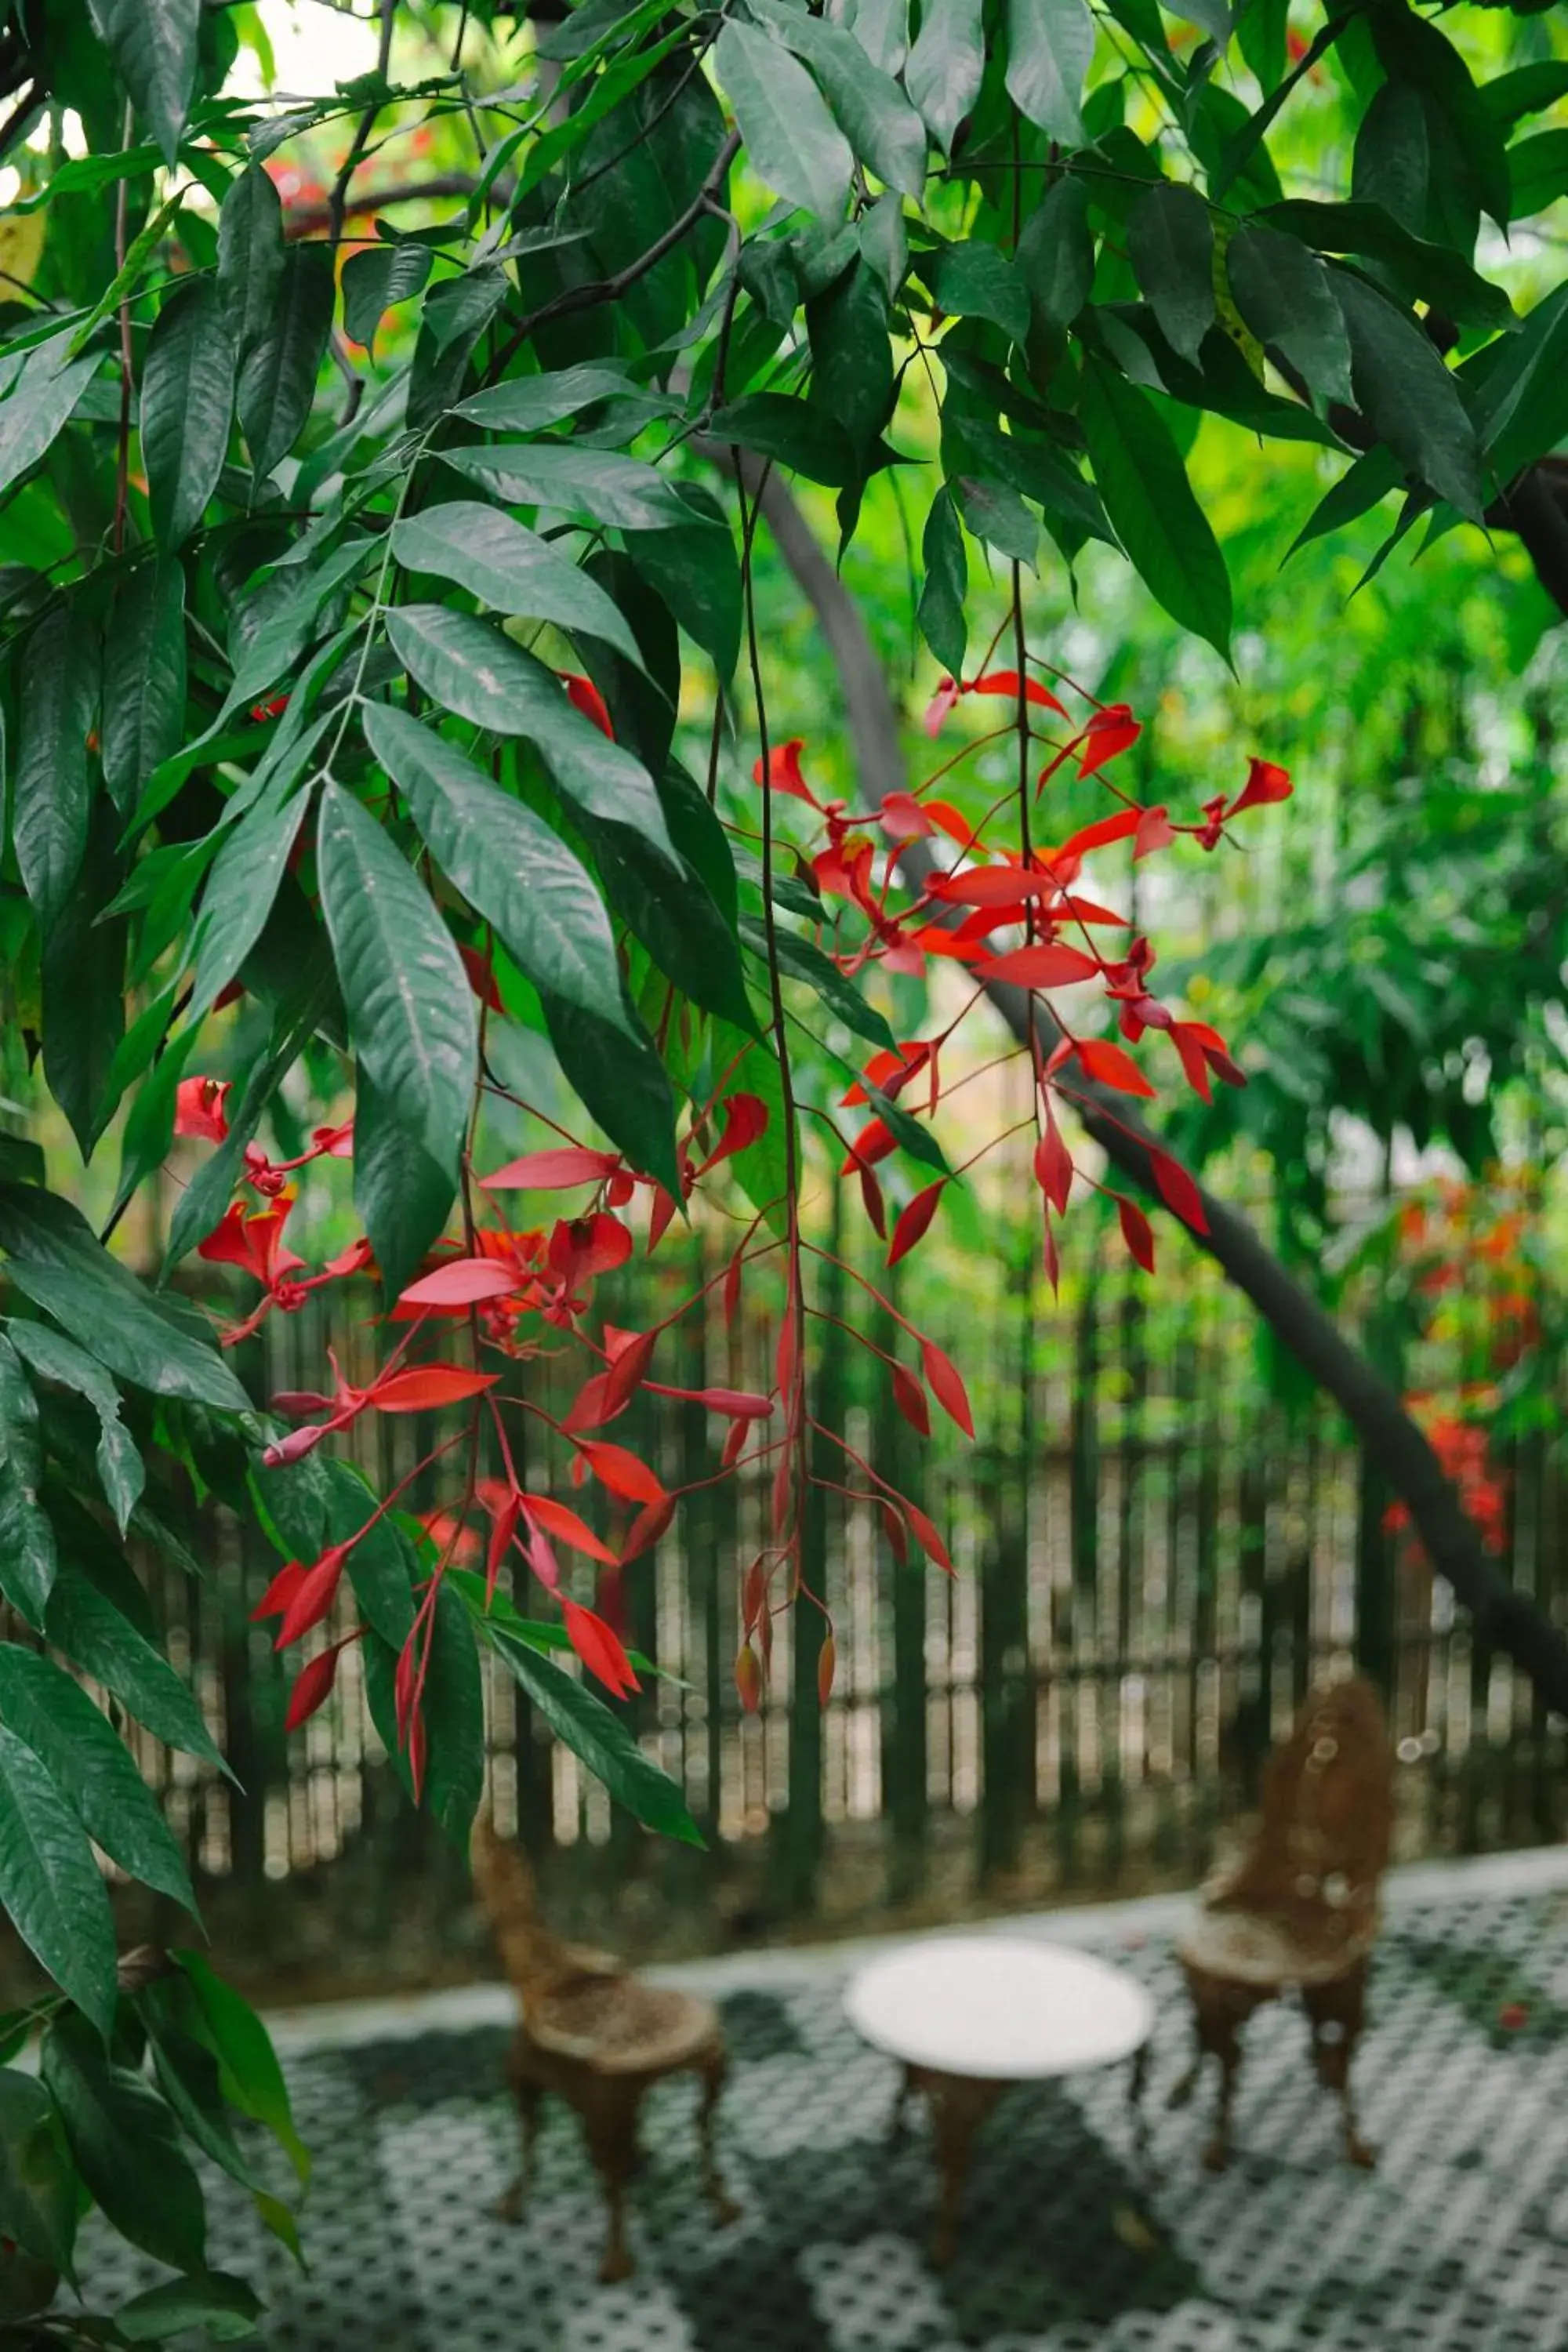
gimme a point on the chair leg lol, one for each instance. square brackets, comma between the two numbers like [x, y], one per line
[715, 2069]
[530, 2097]
[1337, 2013]
[1226, 2046]
[610, 2128]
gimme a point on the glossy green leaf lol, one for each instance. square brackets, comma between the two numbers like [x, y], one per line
[616, 1075]
[976, 281]
[1527, 90]
[507, 863]
[453, 1722]
[410, 1008]
[697, 572]
[1140, 476]
[1049, 46]
[470, 668]
[792, 141]
[1285, 295]
[510, 569]
[40, 404]
[531, 404]
[226, 2308]
[1471, 174]
[852, 367]
[870, 108]
[58, 1262]
[240, 891]
[52, 1889]
[945, 587]
[55, 1357]
[1170, 242]
[738, 1064]
[27, 1557]
[1521, 407]
[908, 1132]
[801, 961]
[595, 486]
[251, 2079]
[998, 516]
[1036, 470]
[126, 2145]
[250, 255]
[1427, 272]
[1055, 253]
[92, 1767]
[376, 279]
[943, 69]
[678, 924]
[1358, 491]
[144, 678]
[278, 378]
[89, 1631]
[50, 787]
[1409, 396]
[187, 404]
[1538, 172]
[791, 431]
[156, 44]
[586, 1726]
[459, 308]
[38, 2179]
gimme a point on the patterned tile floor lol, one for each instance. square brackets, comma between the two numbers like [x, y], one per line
[1459, 2240]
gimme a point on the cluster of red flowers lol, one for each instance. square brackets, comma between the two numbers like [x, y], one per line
[521, 1291]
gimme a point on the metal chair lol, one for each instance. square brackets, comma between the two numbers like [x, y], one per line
[595, 2035]
[1299, 1914]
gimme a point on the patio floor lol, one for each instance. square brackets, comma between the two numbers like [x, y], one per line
[1458, 2239]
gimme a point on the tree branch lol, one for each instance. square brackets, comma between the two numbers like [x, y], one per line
[1374, 1409]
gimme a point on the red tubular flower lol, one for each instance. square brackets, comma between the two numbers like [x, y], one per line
[199, 1107]
[584, 695]
[596, 1644]
[784, 773]
[313, 1594]
[1265, 782]
[252, 1239]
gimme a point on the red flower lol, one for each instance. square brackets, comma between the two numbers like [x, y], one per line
[199, 1107]
[596, 1644]
[252, 1239]
[584, 695]
[785, 773]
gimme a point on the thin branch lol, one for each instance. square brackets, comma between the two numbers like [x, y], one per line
[338, 200]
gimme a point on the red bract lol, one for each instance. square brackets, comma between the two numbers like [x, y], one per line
[826, 1664]
[1053, 1163]
[646, 1529]
[426, 1388]
[199, 1107]
[279, 1593]
[481, 978]
[620, 1471]
[946, 1384]
[785, 773]
[924, 1533]
[749, 1678]
[552, 1169]
[1136, 1232]
[312, 1595]
[581, 1247]
[947, 693]
[262, 711]
[1178, 1191]
[745, 1122]
[1265, 782]
[312, 1687]
[252, 1239]
[1110, 731]
[1039, 967]
[991, 885]
[1111, 1066]
[460, 1282]
[902, 818]
[584, 695]
[1155, 831]
[874, 1142]
[598, 1648]
[560, 1521]
[910, 1399]
[871, 1198]
[914, 1220]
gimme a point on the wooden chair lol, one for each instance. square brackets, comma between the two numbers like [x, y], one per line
[596, 2036]
[1299, 1914]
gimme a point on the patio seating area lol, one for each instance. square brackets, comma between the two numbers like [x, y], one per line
[1458, 2238]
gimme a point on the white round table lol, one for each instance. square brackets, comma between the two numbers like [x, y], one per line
[967, 2015]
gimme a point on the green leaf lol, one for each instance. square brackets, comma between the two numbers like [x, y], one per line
[374, 280]
[791, 140]
[155, 43]
[144, 678]
[699, 834]
[870, 108]
[28, 1558]
[531, 403]
[977, 281]
[87, 1628]
[1527, 90]
[593, 486]
[943, 70]
[1358, 491]
[40, 404]
[1170, 241]
[1049, 46]
[454, 1721]
[510, 568]
[677, 922]
[410, 1008]
[1408, 396]
[507, 863]
[1033, 469]
[251, 2078]
[240, 891]
[616, 1075]
[83, 980]
[1286, 297]
[585, 1725]
[250, 255]
[998, 516]
[802, 961]
[737, 1064]
[50, 790]
[278, 378]
[1538, 170]
[187, 403]
[51, 1887]
[471, 669]
[1473, 176]
[1521, 407]
[907, 1131]
[792, 432]
[1429, 273]
[119, 1463]
[38, 2179]
[852, 366]
[1055, 253]
[946, 584]
[92, 1767]
[1150, 502]
[697, 572]
[402, 1195]
[460, 309]
[382, 1565]
[58, 1262]
[188, 2074]
[215, 2301]
[126, 2145]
